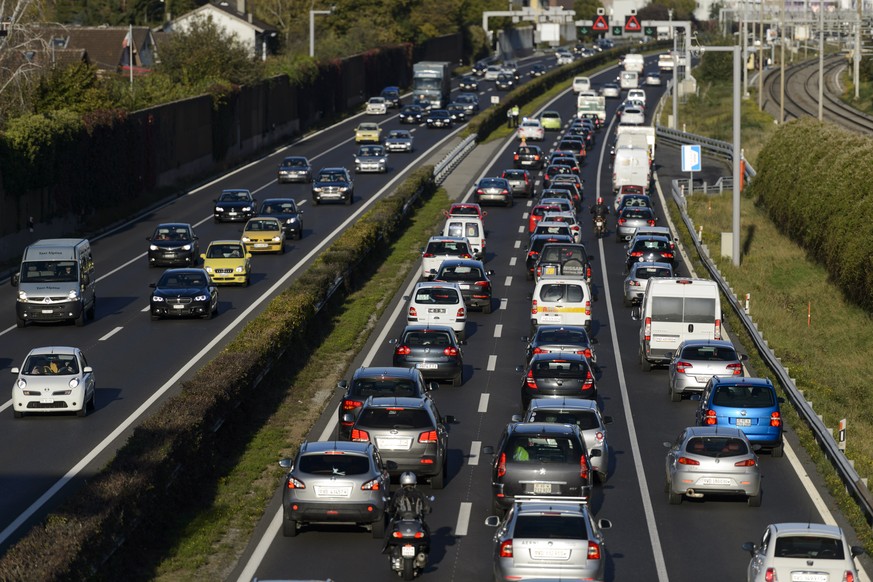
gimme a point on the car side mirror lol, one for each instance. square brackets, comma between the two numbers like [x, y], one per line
[487, 450]
[604, 524]
[780, 400]
[13, 280]
[516, 418]
[636, 313]
[462, 342]
[749, 547]
[148, 238]
[87, 370]
[342, 384]
[195, 237]
[153, 285]
[449, 419]
[248, 255]
[593, 340]
[857, 551]
[744, 357]
[286, 464]
[348, 417]
[431, 386]
[492, 521]
[667, 444]
[15, 370]
[406, 297]
[489, 273]
[392, 341]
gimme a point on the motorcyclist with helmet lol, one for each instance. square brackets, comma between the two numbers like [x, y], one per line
[600, 210]
[410, 503]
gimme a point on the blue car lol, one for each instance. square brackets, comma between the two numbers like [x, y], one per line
[749, 404]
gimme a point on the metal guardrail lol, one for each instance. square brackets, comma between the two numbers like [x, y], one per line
[714, 147]
[442, 170]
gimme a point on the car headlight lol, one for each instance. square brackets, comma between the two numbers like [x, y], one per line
[247, 209]
[383, 160]
[74, 382]
[157, 298]
[239, 269]
[73, 295]
[219, 209]
[316, 188]
[290, 221]
[186, 248]
[343, 188]
[22, 383]
[153, 247]
[208, 269]
[22, 296]
[277, 238]
[246, 239]
[200, 298]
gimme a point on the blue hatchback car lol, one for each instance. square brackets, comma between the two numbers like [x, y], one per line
[749, 404]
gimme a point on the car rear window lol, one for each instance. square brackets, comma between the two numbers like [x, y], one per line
[553, 292]
[279, 208]
[717, 447]
[709, 353]
[460, 273]
[678, 309]
[584, 419]
[649, 272]
[651, 245]
[552, 229]
[743, 397]
[437, 296]
[551, 527]
[514, 175]
[333, 464]
[382, 386]
[541, 210]
[809, 547]
[528, 449]
[559, 369]
[461, 229]
[398, 418]
[416, 339]
[452, 248]
[636, 213]
[562, 336]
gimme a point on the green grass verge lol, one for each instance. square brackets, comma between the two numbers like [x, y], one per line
[211, 540]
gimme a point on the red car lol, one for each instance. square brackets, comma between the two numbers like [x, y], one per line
[465, 209]
[536, 215]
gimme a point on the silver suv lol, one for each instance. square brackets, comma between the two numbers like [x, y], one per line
[410, 433]
[549, 538]
[335, 482]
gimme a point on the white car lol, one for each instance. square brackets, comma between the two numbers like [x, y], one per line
[531, 129]
[54, 379]
[611, 90]
[652, 79]
[440, 248]
[633, 116]
[581, 84]
[637, 95]
[568, 218]
[377, 106]
[563, 57]
[434, 303]
[492, 72]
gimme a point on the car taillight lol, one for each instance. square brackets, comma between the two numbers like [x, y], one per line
[539, 271]
[583, 467]
[372, 485]
[682, 366]
[746, 463]
[529, 380]
[465, 256]
[533, 307]
[501, 465]
[402, 351]
[716, 334]
[505, 192]
[587, 272]
[710, 417]
[587, 308]
[427, 255]
[667, 255]
[413, 312]
[483, 284]
[532, 254]
[736, 369]
[480, 191]
[537, 157]
[451, 351]
[349, 404]
[687, 461]
[506, 549]
[848, 577]
[647, 333]
[770, 575]
[586, 352]
[637, 254]
[429, 436]
[622, 220]
[633, 283]
[589, 380]
[360, 436]
[651, 222]
[462, 313]
[539, 350]
[515, 157]
[295, 483]
[593, 551]
[775, 419]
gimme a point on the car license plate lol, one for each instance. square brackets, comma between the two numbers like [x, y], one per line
[408, 551]
[808, 577]
[551, 317]
[542, 488]
[436, 310]
[537, 554]
[550, 270]
[47, 400]
[744, 422]
[332, 491]
[46, 310]
[426, 366]
[715, 481]
[666, 338]
[463, 286]
[702, 379]
[178, 307]
[261, 245]
[393, 443]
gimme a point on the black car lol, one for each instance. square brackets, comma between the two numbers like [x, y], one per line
[479, 68]
[376, 381]
[438, 118]
[173, 244]
[473, 279]
[528, 157]
[433, 350]
[572, 339]
[557, 375]
[537, 242]
[633, 200]
[286, 210]
[294, 169]
[468, 83]
[651, 249]
[234, 206]
[411, 114]
[504, 82]
[333, 184]
[538, 70]
[571, 260]
[184, 292]
[540, 459]
[469, 101]
[583, 133]
[457, 111]
[555, 169]
[391, 95]
[577, 146]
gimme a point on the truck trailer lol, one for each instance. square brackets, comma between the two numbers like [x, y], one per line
[431, 80]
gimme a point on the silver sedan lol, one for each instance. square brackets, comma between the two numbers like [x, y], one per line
[629, 219]
[638, 276]
[712, 460]
[696, 361]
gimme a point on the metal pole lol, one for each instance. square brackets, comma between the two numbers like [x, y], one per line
[782, 66]
[745, 51]
[856, 72]
[736, 159]
[820, 60]
[312, 33]
[761, 59]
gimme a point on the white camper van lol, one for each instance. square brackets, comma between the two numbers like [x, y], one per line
[56, 282]
[673, 310]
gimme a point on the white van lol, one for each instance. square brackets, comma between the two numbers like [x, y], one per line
[673, 310]
[581, 84]
[633, 62]
[629, 80]
[56, 282]
[558, 300]
[470, 227]
[637, 95]
[630, 166]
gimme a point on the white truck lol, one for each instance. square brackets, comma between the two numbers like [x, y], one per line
[636, 136]
[588, 104]
[631, 167]
[633, 62]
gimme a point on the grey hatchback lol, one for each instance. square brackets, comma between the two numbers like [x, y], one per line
[334, 482]
[638, 276]
[433, 350]
[410, 434]
[521, 182]
[376, 381]
[696, 361]
[631, 218]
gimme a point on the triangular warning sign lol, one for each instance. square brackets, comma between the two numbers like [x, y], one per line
[632, 24]
[600, 24]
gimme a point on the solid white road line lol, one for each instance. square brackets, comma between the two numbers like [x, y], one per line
[492, 363]
[463, 518]
[475, 447]
[483, 402]
[110, 334]
[498, 330]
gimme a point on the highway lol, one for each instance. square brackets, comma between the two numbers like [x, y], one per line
[650, 540]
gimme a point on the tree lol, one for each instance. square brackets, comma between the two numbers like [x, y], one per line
[75, 88]
[586, 9]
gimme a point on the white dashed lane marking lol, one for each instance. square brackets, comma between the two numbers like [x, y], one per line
[492, 363]
[463, 518]
[508, 281]
[110, 334]
[503, 303]
[498, 330]
[512, 261]
[483, 402]
[475, 446]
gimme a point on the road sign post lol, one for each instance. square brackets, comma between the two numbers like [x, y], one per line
[691, 162]
[632, 23]
[601, 23]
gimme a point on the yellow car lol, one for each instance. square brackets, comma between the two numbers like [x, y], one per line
[368, 132]
[264, 235]
[227, 262]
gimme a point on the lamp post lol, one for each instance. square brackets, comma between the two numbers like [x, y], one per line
[312, 14]
[820, 59]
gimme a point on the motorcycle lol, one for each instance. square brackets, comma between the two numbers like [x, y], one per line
[599, 225]
[408, 544]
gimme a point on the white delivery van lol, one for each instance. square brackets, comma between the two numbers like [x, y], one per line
[673, 310]
[56, 282]
[629, 80]
[633, 62]
[470, 227]
[581, 84]
[642, 135]
[630, 166]
[559, 300]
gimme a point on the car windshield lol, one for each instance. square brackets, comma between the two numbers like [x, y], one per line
[279, 208]
[555, 253]
[234, 197]
[331, 177]
[717, 446]
[437, 296]
[229, 251]
[397, 134]
[743, 397]
[550, 527]
[171, 233]
[181, 280]
[709, 353]
[584, 419]
[395, 417]
[429, 338]
[340, 465]
[552, 292]
[370, 151]
[559, 369]
[261, 225]
[50, 272]
[447, 248]
[459, 229]
[51, 365]
[552, 449]
[460, 273]
[294, 163]
[809, 547]
[383, 386]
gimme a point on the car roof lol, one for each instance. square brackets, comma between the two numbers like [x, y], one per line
[454, 239]
[714, 430]
[559, 356]
[562, 404]
[462, 262]
[425, 327]
[799, 528]
[741, 381]
[551, 505]
[53, 350]
[396, 401]
[382, 371]
[436, 285]
[226, 242]
[185, 270]
[707, 342]
[544, 428]
[345, 446]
